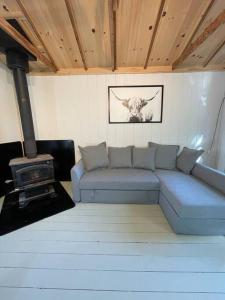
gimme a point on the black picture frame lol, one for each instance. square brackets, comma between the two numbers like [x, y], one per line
[134, 120]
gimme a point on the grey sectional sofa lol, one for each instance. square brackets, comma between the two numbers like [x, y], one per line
[193, 204]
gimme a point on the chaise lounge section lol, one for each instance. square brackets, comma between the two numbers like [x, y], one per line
[192, 205]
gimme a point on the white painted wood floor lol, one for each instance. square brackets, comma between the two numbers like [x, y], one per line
[107, 252]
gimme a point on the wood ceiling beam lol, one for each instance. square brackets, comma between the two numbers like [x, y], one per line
[76, 34]
[119, 70]
[11, 31]
[199, 23]
[128, 70]
[208, 31]
[154, 33]
[27, 16]
[213, 54]
[12, 15]
[113, 6]
[25, 25]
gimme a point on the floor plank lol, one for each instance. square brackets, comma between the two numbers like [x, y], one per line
[109, 219]
[109, 212]
[123, 249]
[57, 294]
[101, 236]
[113, 262]
[116, 281]
[93, 227]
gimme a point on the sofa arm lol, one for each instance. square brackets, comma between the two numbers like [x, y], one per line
[76, 173]
[210, 176]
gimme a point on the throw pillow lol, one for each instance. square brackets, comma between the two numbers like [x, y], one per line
[120, 157]
[165, 156]
[187, 158]
[94, 157]
[144, 158]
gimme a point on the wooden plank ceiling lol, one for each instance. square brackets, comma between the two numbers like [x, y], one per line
[120, 36]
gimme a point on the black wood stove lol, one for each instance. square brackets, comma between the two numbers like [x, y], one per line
[33, 175]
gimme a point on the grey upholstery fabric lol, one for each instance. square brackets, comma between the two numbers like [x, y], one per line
[144, 158]
[94, 157]
[210, 176]
[187, 158]
[120, 179]
[120, 157]
[76, 173]
[117, 196]
[189, 225]
[165, 156]
[190, 197]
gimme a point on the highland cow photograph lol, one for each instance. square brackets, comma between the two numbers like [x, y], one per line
[135, 104]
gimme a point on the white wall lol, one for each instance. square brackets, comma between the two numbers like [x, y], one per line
[9, 119]
[76, 107]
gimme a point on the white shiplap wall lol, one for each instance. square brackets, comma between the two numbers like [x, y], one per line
[76, 107]
[9, 118]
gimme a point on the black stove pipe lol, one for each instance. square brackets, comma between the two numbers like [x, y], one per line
[18, 63]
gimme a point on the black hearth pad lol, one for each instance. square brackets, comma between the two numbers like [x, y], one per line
[12, 217]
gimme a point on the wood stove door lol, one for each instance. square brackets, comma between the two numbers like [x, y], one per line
[30, 175]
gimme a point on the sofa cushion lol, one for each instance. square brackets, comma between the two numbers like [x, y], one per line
[210, 176]
[144, 158]
[187, 158]
[120, 179]
[120, 157]
[190, 197]
[165, 156]
[94, 157]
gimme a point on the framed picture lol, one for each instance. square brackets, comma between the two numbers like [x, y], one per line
[135, 104]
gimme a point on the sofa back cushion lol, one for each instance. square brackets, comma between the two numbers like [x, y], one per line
[187, 159]
[165, 156]
[144, 158]
[120, 157]
[210, 176]
[94, 157]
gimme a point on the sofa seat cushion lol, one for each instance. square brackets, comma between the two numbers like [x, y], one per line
[190, 197]
[120, 179]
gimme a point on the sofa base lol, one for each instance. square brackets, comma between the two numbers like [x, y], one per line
[190, 225]
[115, 196]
